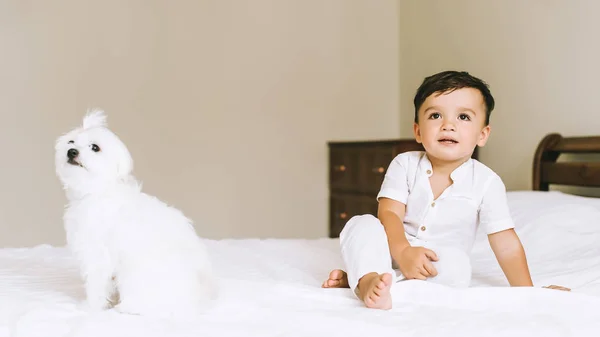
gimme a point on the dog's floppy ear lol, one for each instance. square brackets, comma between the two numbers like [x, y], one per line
[94, 118]
[125, 165]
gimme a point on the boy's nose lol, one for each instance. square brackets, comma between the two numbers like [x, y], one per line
[448, 127]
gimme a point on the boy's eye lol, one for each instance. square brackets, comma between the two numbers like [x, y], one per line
[435, 115]
[464, 117]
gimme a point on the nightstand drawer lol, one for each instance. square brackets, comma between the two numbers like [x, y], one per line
[344, 165]
[360, 168]
[343, 206]
[373, 164]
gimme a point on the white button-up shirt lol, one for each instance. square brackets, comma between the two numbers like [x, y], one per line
[477, 197]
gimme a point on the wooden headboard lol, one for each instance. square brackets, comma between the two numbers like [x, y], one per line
[548, 170]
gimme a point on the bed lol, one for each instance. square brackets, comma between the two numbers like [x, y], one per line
[272, 287]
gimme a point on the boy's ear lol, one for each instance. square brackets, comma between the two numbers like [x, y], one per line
[417, 132]
[484, 135]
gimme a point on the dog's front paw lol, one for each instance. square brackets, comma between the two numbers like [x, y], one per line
[98, 303]
[99, 291]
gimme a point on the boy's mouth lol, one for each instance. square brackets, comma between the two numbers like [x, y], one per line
[448, 141]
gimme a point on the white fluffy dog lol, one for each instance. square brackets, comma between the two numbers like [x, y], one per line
[135, 252]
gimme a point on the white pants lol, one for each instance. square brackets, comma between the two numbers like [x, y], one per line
[365, 250]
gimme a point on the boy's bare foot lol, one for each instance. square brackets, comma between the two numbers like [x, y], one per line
[337, 279]
[374, 290]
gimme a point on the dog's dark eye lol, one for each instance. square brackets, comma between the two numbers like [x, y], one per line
[95, 148]
[71, 142]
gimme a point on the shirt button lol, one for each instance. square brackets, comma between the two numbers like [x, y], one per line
[423, 228]
[433, 204]
[428, 171]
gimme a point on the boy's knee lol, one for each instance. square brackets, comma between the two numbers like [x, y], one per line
[359, 224]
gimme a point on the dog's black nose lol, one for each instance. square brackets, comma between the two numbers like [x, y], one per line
[72, 153]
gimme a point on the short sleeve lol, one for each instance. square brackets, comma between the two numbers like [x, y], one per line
[395, 182]
[494, 214]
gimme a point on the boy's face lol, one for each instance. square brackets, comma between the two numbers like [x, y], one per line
[452, 124]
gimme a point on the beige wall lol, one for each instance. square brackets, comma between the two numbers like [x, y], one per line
[225, 105]
[539, 57]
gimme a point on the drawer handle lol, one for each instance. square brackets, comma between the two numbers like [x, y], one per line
[340, 168]
[343, 215]
[379, 169]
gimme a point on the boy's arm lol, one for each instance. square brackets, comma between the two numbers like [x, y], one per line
[511, 256]
[496, 220]
[391, 214]
[392, 198]
[414, 262]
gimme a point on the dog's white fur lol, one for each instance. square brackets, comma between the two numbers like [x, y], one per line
[128, 243]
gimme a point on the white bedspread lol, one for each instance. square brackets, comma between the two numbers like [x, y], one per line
[272, 288]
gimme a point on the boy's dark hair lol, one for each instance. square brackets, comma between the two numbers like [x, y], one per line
[448, 81]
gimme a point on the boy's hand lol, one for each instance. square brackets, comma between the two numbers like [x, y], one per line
[415, 262]
[557, 288]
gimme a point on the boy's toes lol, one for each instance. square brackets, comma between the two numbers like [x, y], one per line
[329, 283]
[337, 279]
[376, 293]
[371, 300]
[332, 283]
[336, 274]
[386, 279]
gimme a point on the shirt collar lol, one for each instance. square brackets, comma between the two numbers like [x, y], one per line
[462, 180]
